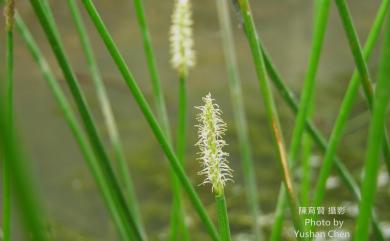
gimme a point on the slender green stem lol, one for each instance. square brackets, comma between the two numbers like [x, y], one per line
[22, 185]
[270, 109]
[316, 135]
[146, 110]
[352, 91]
[9, 15]
[182, 119]
[152, 66]
[306, 170]
[239, 115]
[52, 34]
[15, 167]
[222, 216]
[177, 222]
[72, 122]
[375, 141]
[123, 168]
[370, 44]
[178, 226]
[320, 24]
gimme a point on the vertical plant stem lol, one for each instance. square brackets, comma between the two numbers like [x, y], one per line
[320, 25]
[223, 219]
[15, 167]
[52, 34]
[177, 213]
[22, 187]
[239, 116]
[152, 66]
[123, 168]
[375, 141]
[149, 116]
[72, 122]
[352, 91]
[317, 137]
[9, 19]
[270, 109]
[178, 226]
[306, 170]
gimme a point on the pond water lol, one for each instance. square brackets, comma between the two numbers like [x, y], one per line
[74, 206]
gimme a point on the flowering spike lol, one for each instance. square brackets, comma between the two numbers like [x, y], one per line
[9, 13]
[211, 131]
[183, 56]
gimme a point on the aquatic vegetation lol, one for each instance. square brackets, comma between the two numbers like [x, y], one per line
[215, 166]
[115, 185]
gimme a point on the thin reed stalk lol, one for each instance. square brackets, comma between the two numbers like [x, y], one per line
[306, 168]
[9, 11]
[222, 216]
[271, 112]
[306, 102]
[51, 32]
[152, 66]
[376, 27]
[239, 116]
[182, 59]
[316, 135]
[151, 119]
[22, 186]
[178, 226]
[106, 108]
[71, 119]
[177, 217]
[15, 169]
[361, 76]
[375, 141]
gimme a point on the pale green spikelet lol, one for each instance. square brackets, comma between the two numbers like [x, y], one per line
[183, 56]
[211, 131]
[9, 14]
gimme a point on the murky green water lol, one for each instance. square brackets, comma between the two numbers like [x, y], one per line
[73, 204]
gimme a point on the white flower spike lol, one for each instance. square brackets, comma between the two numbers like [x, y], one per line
[183, 56]
[211, 131]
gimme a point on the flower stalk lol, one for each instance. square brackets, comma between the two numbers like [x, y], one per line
[9, 14]
[269, 105]
[237, 100]
[182, 59]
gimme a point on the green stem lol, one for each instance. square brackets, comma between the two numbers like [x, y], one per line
[316, 135]
[321, 18]
[178, 219]
[15, 168]
[72, 122]
[123, 168]
[239, 116]
[22, 188]
[355, 81]
[178, 227]
[270, 109]
[222, 216]
[9, 12]
[306, 170]
[152, 66]
[178, 224]
[352, 91]
[152, 121]
[52, 34]
[375, 141]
